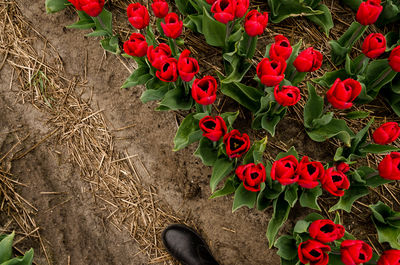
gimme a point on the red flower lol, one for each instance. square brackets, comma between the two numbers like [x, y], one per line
[255, 23]
[335, 182]
[374, 45]
[313, 252]
[309, 173]
[308, 60]
[355, 252]
[281, 48]
[343, 167]
[368, 12]
[160, 8]
[271, 72]
[284, 170]
[168, 71]
[91, 7]
[224, 10]
[390, 257]
[394, 59]
[389, 167]
[236, 144]
[204, 91]
[252, 176]
[287, 95]
[136, 45]
[386, 133]
[213, 128]
[326, 231]
[241, 8]
[158, 55]
[210, 2]
[342, 93]
[173, 26]
[187, 67]
[138, 15]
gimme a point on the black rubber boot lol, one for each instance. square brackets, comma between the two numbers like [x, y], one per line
[184, 244]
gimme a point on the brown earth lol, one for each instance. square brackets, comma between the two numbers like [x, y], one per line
[72, 223]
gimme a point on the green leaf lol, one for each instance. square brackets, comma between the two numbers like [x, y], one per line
[97, 33]
[139, 77]
[229, 188]
[53, 6]
[359, 139]
[229, 117]
[269, 123]
[111, 45]
[354, 115]
[324, 20]
[336, 128]
[313, 108]
[6, 247]
[379, 149]
[214, 31]
[240, 66]
[188, 132]
[309, 198]
[85, 22]
[292, 151]
[329, 78]
[378, 74]
[25, 260]
[194, 22]
[301, 227]
[185, 7]
[279, 217]
[247, 96]
[350, 196]
[388, 230]
[291, 194]
[222, 167]
[176, 99]
[281, 10]
[286, 246]
[295, 51]
[243, 197]
[206, 152]
[376, 181]
[255, 153]
[392, 40]
[313, 217]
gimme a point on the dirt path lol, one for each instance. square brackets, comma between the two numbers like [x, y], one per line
[72, 223]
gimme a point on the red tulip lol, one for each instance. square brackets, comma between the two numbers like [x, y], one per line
[326, 231]
[210, 2]
[313, 252]
[284, 170]
[374, 45]
[394, 59]
[390, 257]
[389, 167]
[386, 133]
[158, 55]
[281, 48]
[168, 71]
[368, 12]
[343, 167]
[91, 7]
[354, 252]
[204, 90]
[160, 8]
[236, 144]
[213, 128]
[309, 173]
[342, 93]
[252, 176]
[187, 67]
[241, 8]
[138, 15]
[271, 72]
[255, 23]
[224, 10]
[136, 45]
[287, 95]
[335, 182]
[173, 26]
[309, 60]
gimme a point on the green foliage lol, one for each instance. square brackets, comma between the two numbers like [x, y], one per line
[85, 22]
[140, 76]
[214, 31]
[281, 212]
[387, 223]
[6, 253]
[222, 167]
[309, 197]
[53, 6]
[243, 197]
[247, 96]
[188, 132]
[321, 126]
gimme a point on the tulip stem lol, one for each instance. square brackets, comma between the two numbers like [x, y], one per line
[205, 108]
[172, 45]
